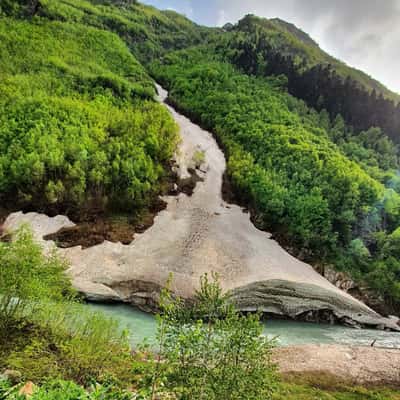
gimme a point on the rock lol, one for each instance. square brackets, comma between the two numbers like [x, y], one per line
[340, 279]
[96, 292]
[305, 302]
[228, 26]
[11, 375]
[348, 356]
[27, 390]
[40, 227]
[347, 321]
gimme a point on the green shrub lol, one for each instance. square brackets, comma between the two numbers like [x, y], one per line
[60, 390]
[66, 390]
[28, 277]
[44, 332]
[210, 351]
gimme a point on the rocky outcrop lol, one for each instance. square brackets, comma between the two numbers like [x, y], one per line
[340, 279]
[362, 292]
[11, 375]
[201, 234]
[306, 302]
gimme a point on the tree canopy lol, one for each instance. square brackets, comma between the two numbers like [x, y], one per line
[78, 122]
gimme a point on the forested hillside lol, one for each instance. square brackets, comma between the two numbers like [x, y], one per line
[78, 119]
[264, 47]
[147, 31]
[79, 125]
[284, 165]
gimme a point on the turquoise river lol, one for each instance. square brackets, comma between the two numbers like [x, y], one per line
[143, 326]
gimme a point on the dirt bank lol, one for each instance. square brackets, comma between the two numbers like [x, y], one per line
[327, 364]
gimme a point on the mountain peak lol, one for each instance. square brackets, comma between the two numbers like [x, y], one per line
[294, 30]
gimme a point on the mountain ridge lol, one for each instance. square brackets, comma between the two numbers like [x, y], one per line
[318, 55]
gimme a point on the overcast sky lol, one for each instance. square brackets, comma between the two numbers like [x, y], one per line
[363, 33]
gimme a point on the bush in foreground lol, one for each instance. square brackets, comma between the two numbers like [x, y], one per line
[208, 350]
[44, 332]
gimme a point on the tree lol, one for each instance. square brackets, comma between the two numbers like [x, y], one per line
[33, 6]
[210, 351]
[27, 276]
[121, 3]
[20, 7]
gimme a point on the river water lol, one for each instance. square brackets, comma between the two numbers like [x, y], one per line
[142, 326]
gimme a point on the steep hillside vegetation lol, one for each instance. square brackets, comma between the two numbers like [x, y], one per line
[264, 47]
[283, 164]
[78, 122]
[148, 32]
[289, 40]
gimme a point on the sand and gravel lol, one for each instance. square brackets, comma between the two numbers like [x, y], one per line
[354, 365]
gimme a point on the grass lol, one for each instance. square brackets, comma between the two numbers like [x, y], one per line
[109, 390]
[324, 386]
[306, 392]
[70, 343]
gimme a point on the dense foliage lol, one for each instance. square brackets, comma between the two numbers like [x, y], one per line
[65, 390]
[27, 277]
[77, 119]
[266, 47]
[207, 350]
[148, 32]
[44, 332]
[283, 164]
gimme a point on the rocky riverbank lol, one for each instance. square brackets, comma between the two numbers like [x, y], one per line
[367, 366]
[201, 234]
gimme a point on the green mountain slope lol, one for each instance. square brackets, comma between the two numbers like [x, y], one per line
[292, 41]
[79, 126]
[271, 47]
[147, 31]
[78, 123]
[284, 167]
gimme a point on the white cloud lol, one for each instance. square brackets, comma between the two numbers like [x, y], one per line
[363, 33]
[222, 18]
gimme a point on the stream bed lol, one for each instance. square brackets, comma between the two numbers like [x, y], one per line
[142, 326]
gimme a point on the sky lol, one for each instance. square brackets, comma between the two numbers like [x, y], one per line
[363, 33]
